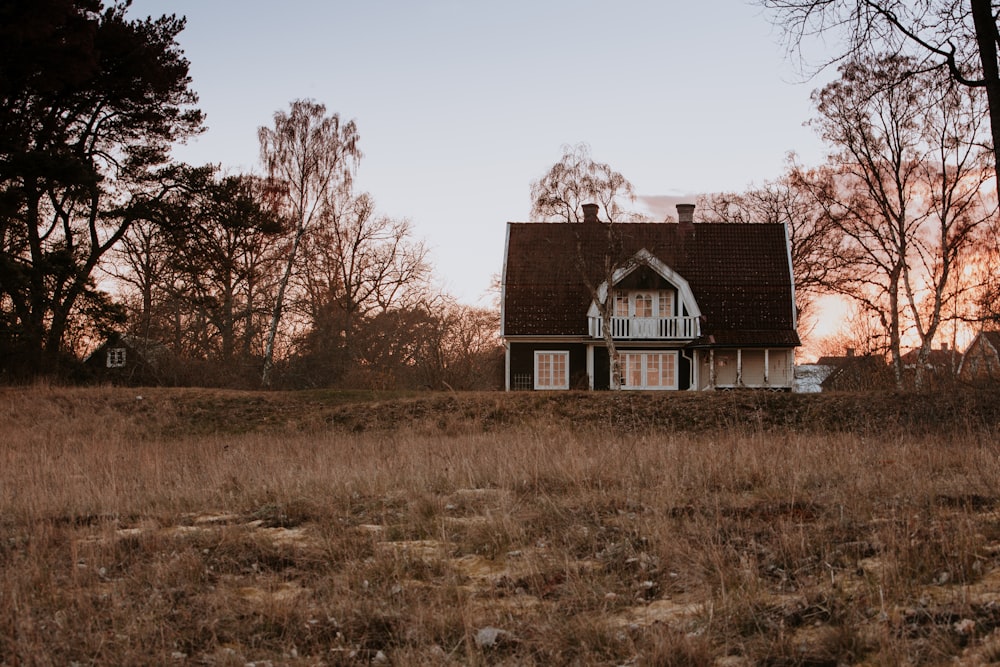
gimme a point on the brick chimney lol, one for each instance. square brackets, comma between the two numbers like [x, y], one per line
[685, 217]
[590, 212]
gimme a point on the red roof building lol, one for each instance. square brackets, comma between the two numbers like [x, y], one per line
[689, 305]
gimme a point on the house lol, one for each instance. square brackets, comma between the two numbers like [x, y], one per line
[981, 361]
[129, 360]
[866, 372]
[691, 306]
[940, 367]
[809, 378]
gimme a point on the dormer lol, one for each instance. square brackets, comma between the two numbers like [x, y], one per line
[649, 300]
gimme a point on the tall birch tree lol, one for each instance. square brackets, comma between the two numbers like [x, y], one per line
[310, 159]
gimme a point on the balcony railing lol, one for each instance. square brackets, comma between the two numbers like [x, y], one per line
[648, 328]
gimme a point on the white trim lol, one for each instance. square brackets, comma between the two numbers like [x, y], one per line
[548, 340]
[646, 258]
[503, 281]
[791, 278]
[590, 366]
[506, 366]
[565, 381]
[643, 355]
[693, 372]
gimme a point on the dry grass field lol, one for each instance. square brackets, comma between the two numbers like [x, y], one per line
[196, 527]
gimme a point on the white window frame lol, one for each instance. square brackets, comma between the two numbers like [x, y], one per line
[625, 300]
[668, 297]
[116, 357]
[548, 356]
[628, 357]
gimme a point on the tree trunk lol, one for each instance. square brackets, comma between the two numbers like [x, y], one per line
[986, 39]
[279, 302]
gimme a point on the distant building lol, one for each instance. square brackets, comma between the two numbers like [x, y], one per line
[128, 360]
[809, 378]
[981, 362]
[940, 367]
[859, 373]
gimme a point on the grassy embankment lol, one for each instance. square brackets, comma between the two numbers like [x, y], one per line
[208, 527]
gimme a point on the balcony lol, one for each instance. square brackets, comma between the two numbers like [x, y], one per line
[648, 328]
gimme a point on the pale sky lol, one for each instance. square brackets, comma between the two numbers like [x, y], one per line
[460, 104]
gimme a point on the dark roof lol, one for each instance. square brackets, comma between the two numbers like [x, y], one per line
[739, 275]
[832, 360]
[993, 338]
[862, 373]
[935, 358]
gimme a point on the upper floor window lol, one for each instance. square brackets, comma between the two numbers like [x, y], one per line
[647, 303]
[621, 304]
[665, 301]
[643, 305]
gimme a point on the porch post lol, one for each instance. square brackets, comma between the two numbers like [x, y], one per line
[767, 365]
[695, 374]
[711, 368]
[739, 367]
[590, 367]
[506, 367]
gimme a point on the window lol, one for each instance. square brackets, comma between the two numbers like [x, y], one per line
[666, 304]
[621, 304]
[650, 370]
[643, 305]
[659, 303]
[633, 370]
[116, 357]
[551, 370]
[660, 371]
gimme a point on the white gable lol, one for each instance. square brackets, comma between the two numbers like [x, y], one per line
[646, 258]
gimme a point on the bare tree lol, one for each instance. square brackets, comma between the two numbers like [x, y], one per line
[461, 347]
[195, 273]
[578, 190]
[814, 238]
[874, 131]
[861, 333]
[575, 180]
[903, 186]
[220, 237]
[310, 160]
[959, 37]
[953, 171]
[140, 264]
[358, 264]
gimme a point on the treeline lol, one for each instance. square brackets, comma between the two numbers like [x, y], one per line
[290, 278]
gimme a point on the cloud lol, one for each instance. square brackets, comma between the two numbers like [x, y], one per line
[663, 207]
